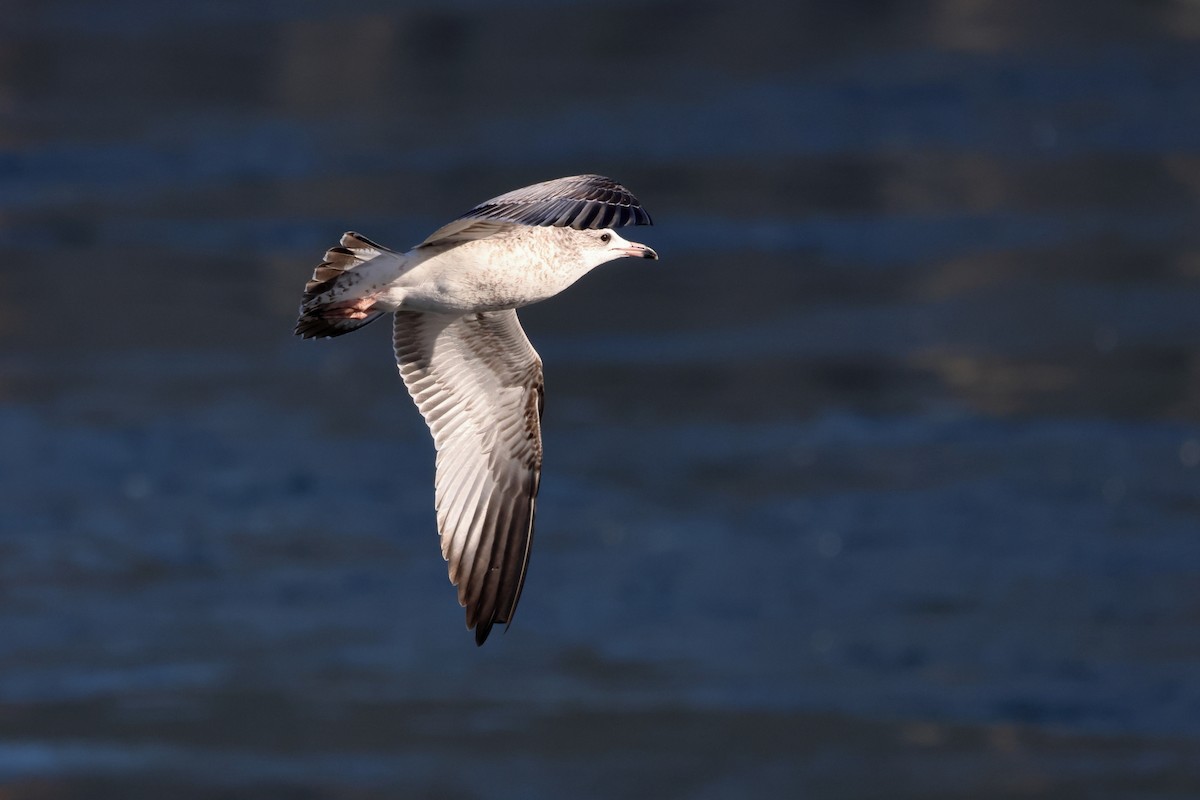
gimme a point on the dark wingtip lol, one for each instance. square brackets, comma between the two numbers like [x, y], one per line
[577, 201]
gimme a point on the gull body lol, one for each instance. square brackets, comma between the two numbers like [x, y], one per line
[477, 274]
[468, 364]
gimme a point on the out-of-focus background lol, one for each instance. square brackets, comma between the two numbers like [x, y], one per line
[883, 482]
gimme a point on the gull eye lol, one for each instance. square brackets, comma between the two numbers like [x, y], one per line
[606, 237]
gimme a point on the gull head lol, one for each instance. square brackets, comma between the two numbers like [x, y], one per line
[600, 246]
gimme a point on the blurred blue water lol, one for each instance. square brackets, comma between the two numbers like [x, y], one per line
[886, 479]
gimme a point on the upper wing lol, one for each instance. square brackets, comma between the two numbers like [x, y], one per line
[580, 201]
[478, 384]
[464, 230]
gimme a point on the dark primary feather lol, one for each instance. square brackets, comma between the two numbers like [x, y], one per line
[580, 201]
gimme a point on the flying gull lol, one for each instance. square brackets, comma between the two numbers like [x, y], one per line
[466, 361]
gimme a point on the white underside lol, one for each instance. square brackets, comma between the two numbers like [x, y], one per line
[483, 275]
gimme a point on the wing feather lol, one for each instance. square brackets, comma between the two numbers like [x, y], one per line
[578, 201]
[478, 383]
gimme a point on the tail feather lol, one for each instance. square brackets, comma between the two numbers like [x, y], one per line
[330, 305]
[326, 323]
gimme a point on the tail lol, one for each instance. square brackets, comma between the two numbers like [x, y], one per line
[336, 300]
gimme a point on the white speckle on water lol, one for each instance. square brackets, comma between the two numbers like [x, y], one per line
[821, 641]
[829, 543]
[1114, 490]
[1189, 453]
[136, 486]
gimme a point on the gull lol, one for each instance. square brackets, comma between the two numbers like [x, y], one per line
[466, 361]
